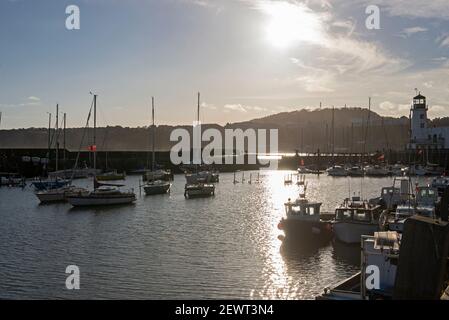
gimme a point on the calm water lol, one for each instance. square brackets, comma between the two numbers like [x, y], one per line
[167, 247]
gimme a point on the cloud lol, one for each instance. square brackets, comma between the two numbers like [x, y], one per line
[30, 101]
[235, 107]
[388, 108]
[408, 32]
[243, 108]
[208, 106]
[412, 8]
[436, 111]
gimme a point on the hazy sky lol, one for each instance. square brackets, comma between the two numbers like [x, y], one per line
[249, 58]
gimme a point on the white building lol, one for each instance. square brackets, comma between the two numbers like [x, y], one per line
[421, 135]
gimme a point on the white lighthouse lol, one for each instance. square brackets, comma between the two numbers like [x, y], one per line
[421, 135]
[419, 120]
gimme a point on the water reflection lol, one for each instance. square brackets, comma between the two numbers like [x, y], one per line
[165, 247]
[346, 253]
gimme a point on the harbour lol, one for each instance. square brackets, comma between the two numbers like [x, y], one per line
[167, 247]
[191, 152]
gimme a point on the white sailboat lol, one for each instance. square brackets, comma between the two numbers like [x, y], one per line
[153, 186]
[103, 194]
[199, 184]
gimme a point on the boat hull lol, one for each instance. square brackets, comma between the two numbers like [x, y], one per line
[156, 189]
[351, 233]
[199, 192]
[297, 230]
[50, 197]
[111, 177]
[82, 201]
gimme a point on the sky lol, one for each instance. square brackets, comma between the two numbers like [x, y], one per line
[248, 58]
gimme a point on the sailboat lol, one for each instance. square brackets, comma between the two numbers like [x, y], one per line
[103, 194]
[153, 186]
[199, 184]
[52, 182]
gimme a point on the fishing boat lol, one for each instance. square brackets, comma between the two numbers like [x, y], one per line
[355, 218]
[111, 176]
[199, 190]
[337, 171]
[392, 196]
[423, 204]
[103, 194]
[153, 186]
[380, 250]
[303, 221]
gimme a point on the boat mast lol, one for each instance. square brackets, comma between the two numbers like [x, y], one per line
[64, 141]
[367, 127]
[333, 135]
[95, 136]
[198, 123]
[49, 140]
[57, 136]
[153, 133]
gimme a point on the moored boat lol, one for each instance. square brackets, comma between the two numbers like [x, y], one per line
[355, 218]
[355, 171]
[337, 171]
[376, 171]
[102, 196]
[57, 195]
[199, 190]
[303, 222]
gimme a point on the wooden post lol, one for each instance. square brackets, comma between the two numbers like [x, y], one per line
[422, 261]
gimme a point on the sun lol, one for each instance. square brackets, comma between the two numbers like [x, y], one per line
[290, 24]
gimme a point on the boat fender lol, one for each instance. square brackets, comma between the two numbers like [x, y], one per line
[281, 225]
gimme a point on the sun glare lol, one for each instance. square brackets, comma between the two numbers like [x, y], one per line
[291, 23]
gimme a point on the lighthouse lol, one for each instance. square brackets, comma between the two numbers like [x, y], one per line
[419, 120]
[423, 136]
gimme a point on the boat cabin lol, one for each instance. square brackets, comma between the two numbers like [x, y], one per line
[358, 212]
[302, 209]
[426, 196]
